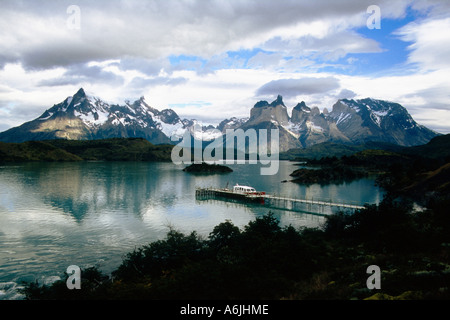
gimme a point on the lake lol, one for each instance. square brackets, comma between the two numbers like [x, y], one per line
[53, 215]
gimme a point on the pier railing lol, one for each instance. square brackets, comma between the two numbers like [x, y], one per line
[276, 200]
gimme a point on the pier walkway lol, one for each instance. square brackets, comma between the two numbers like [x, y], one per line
[270, 200]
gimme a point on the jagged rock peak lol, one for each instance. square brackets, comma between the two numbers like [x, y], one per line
[80, 92]
[143, 102]
[302, 106]
[315, 111]
[277, 102]
[80, 95]
[261, 104]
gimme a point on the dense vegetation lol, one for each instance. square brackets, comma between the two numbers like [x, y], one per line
[266, 261]
[335, 173]
[205, 168]
[331, 149]
[34, 151]
[347, 168]
[118, 149]
[397, 168]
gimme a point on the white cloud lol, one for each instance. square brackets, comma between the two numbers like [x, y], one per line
[300, 86]
[123, 51]
[430, 47]
[331, 47]
[36, 33]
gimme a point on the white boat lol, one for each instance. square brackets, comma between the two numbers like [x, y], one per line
[243, 193]
[246, 190]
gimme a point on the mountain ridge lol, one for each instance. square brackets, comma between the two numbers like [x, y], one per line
[85, 117]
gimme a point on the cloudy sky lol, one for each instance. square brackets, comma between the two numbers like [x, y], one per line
[214, 59]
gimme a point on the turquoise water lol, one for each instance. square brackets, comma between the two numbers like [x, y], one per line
[53, 215]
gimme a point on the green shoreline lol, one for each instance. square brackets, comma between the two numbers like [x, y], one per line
[117, 149]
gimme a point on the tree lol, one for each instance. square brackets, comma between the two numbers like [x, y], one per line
[223, 235]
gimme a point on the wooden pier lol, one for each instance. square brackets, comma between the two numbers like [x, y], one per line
[279, 202]
[215, 193]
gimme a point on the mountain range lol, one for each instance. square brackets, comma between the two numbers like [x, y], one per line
[84, 117]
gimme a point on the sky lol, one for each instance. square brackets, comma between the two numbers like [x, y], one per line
[214, 59]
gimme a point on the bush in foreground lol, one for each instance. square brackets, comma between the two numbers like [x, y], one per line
[267, 261]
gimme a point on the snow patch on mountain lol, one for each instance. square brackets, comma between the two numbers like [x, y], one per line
[293, 129]
[313, 127]
[342, 117]
[377, 116]
[173, 131]
[46, 118]
[93, 118]
[381, 113]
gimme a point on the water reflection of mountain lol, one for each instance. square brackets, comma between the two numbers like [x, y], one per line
[157, 188]
[94, 187]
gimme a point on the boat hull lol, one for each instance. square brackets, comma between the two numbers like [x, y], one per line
[257, 197]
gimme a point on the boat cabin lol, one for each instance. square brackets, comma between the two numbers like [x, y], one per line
[243, 189]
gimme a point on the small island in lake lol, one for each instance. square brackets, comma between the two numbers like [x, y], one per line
[333, 174]
[206, 168]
